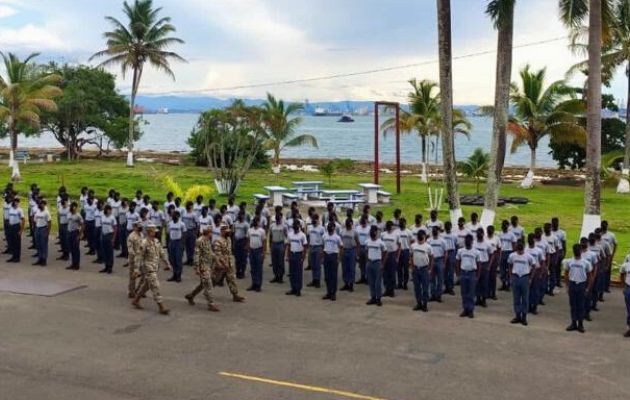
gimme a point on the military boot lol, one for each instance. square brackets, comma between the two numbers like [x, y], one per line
[163, 310]
[238, 299]
[190, 299]
[213, 308]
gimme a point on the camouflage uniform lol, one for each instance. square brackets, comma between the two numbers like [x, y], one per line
[224, 267]
[134, 243]
[204, 260]
[151, 252]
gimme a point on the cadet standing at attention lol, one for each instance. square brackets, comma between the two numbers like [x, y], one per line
[42, 221]
[278, 233]
[421, 263]
[203, 262]
[109, 228]
[376, 254]
[468, 268]
[75, 232]
[350, 240]
[297, 247]
[405, 238]
[16, 227]
[151, 253]
[257, 248]
[451, 251]
[224, 267]
[390, 238]
[521, 264]
[577, 274]
[316, 246]
[438, 250]
[332, 246]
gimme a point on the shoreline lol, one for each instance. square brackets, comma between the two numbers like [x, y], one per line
[177, 157]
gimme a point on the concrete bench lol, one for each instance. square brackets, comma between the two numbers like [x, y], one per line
[347, 203]
[22, 155]
[384, 197]
[289, 197]
[258, 197]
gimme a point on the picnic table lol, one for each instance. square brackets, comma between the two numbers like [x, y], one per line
[304, 188]
[371, 192]
[275, 193]
[341, 194]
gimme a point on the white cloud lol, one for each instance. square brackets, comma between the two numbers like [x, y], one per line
[7, 11]
[31, 37]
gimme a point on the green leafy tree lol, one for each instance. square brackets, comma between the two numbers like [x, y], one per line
[281, 128]
[540, 111]
[89, 111]
[475, 166]
[328, 169]
[145, 38]
[26, 91]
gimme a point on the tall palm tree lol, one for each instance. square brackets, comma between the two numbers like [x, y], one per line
[616, 53]
[446, 103]
[145, 38]
[25, 92]
[573, 14]
[475, 166]
[282, 128]
[502, 14]
[540, 111]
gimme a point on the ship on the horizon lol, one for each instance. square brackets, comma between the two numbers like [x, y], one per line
[322, 112]
[162, 110]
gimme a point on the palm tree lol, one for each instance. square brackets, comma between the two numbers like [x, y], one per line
[281, 127]
[616, 53]
[145, 38]
[573, 13]
[502, 14]
[476, 166]
[25, 92]
[446, 103]
[540, 111]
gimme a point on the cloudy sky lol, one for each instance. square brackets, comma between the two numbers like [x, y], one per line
[242, 42]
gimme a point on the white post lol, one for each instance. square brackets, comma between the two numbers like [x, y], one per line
[589, 223]
[423, 175]
[455, 215]
[487, 217]
[130, 158]
[15, 174]
[624, 184]
[11, 158]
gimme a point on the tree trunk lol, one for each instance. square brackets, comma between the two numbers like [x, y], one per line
[13, 131]
[446, 104]
[532, 159]
[624, 183]
[132, 103]
[592, 187]
[501, 108]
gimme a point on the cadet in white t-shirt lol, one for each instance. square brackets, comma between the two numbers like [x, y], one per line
[297, 246]
[42, 221]
[405, 237]
[350, 240]
[468, 266]
[390, 238]
[451, 251]
[535, 285]
[257, 245]
[109, 228]
[316, 245]
[363, 230]
[278, 234]
[421, 264]
[521, 266]
[485, 253]
[332, 246]
[438, 250]
[508, 242]
[578, 275]
[376, 253]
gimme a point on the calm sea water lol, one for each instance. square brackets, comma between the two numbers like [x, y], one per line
[336, 140]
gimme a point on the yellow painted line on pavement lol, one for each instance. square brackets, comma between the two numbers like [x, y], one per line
[300, 386]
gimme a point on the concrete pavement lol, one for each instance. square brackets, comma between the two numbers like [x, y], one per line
[91, 344]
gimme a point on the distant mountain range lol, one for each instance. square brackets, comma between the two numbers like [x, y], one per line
[195, 104]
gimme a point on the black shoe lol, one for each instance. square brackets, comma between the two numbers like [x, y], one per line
[310, 284]
[6, 251]
[274, 280]
[63, 258]
[572, 327]
[38, 262]
[326, 297]
[104, 270]
[72, 267]
[97, 261]
[580, 327]
[627, 334]
[477, 302]
[333, 298]
[524, 321]
[35, 255]
[371, 302]
[298, 293]
[425, 308]
[533, 311]
[379, 303]
[258, 289]
[280, 280]
[291, 293]
[601, 298]
[344, 288]
[351, 288]
[588, 318]
[438, 299]
[171, 279]
[494, 297]
[550, 293]
[471, 314]
[251, 288]
[542, 303]
[450, 292]
[90, 253]
[405, 287]
[594, 308]
[463, 314]
[31, 247]
[515, 320]
[418, 307]
[607, 290]
[399, 286]
[483, 303]
[308, 268]
[558, 285]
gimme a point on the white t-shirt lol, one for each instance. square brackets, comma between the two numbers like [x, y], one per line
[364, 233]
[176, 229]
[375, 249]
[522, 264]
[297, 241]
[405, 237]
[625, 269]
[391, 240]
[332, 243]
[108, 222]
[438, 246]
[578, 269]
[421, 254]
[468, 259]
[508, 240]
[485, 250]
[256, 237]
[42, 218]
[316, 235]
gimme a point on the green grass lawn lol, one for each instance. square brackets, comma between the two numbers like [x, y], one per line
[545, 201]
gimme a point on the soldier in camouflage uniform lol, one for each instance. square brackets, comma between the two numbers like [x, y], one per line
[134, 242]
[151, 252]
[224, 267]
[203, 261]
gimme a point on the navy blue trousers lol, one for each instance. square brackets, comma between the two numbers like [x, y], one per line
[576, 300]
[315, 261]
[467, 282]
[389, 273]
[240, 256]
[348, 265]
[403, 269]
[277, 259]
[420, 278]
[295, 269]
[520, 295]
[41, 241]
[331, 272]
[74, 248]
[374, 277]
[256, 266]
[175, 256]
[107, 250]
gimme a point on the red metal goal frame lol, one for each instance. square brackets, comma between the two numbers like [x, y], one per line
[376, 137]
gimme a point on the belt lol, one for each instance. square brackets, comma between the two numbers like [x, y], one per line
[520, 276]
[423, 267]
